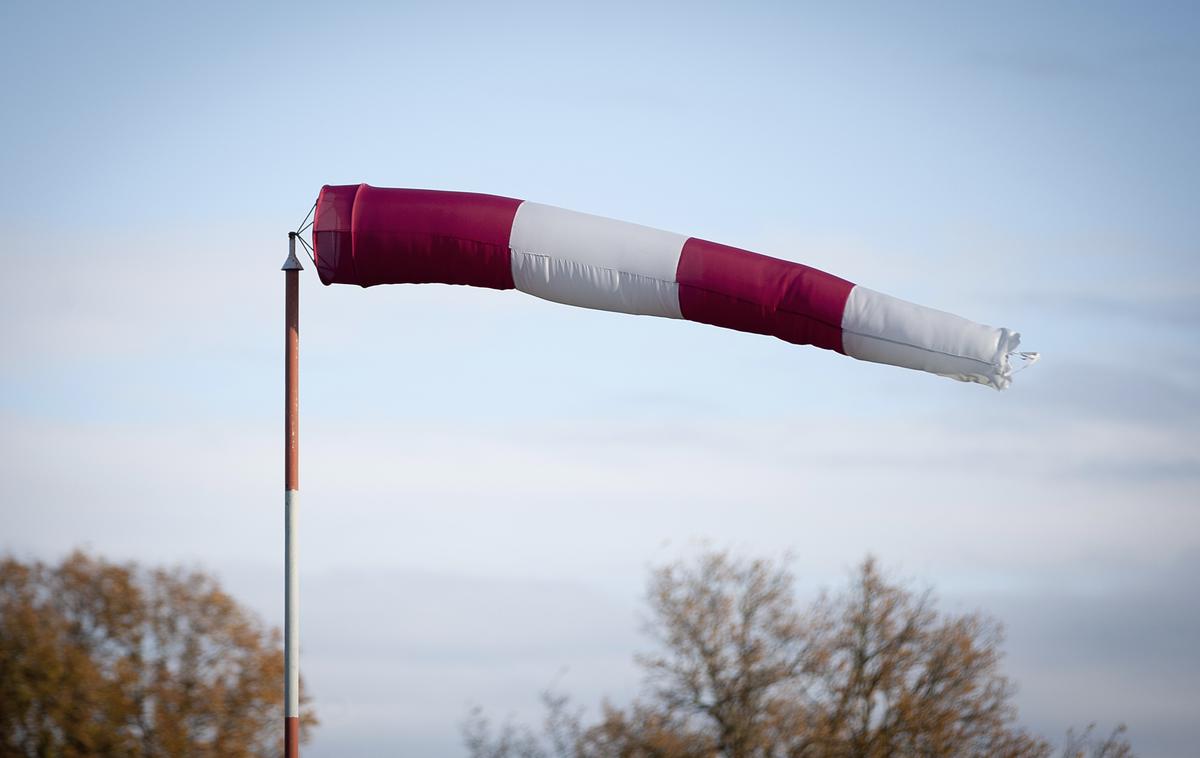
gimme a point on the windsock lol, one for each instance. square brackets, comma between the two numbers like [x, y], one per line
[369, 235]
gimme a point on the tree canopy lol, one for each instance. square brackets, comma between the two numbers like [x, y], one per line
[741, 670]
[101, 659]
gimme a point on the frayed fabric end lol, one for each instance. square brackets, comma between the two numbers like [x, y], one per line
[997, 372]
[1007, 345]
[1009, 361]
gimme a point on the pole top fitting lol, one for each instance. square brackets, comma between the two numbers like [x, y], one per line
[292, 263]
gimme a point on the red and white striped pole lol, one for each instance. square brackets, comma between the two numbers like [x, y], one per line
[291, 500]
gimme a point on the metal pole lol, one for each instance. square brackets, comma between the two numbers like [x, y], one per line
[291, 501]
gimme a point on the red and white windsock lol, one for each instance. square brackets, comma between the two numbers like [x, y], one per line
[368, 235]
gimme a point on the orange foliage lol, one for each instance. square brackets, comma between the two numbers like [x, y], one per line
[100, 659]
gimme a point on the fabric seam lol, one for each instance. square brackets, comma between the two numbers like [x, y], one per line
[919, 347]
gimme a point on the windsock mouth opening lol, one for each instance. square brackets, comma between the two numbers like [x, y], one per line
[331, 234]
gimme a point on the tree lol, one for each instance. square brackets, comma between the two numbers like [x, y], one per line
[742, 671]
[100, 659]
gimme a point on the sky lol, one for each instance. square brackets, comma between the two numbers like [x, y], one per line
[488, 477]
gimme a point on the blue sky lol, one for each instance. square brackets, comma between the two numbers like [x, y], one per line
[487, 476]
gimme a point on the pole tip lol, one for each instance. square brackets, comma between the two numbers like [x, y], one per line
[292, 263]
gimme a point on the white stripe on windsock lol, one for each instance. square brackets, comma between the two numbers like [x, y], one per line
[884, 329]
[595, 262]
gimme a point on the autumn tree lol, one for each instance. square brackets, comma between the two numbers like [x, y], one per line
[100, 659]
[742, 671]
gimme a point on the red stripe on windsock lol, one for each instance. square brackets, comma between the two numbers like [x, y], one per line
[366, 235]
[738, 289]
